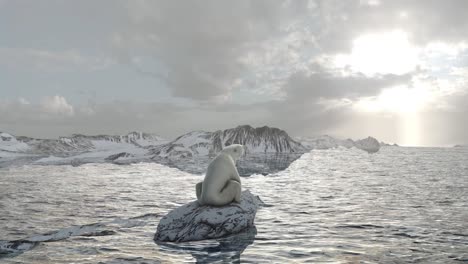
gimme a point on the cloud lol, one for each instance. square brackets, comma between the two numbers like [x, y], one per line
[202, 50]
[305, 118]
[50, 61]
[48, 111]
[199, 45]
[427, 21]
[53, 116]
[227, 63]
[56, 105]
[304, 86]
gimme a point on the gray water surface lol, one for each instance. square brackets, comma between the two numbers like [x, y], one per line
[335, 206]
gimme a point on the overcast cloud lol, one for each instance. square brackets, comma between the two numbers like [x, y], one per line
[346, 68]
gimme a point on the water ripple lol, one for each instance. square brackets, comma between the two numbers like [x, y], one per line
[341, 206]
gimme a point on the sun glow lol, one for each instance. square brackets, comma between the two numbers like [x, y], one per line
[381, 53]
[410, 129]
[399, 99]
[405, 104]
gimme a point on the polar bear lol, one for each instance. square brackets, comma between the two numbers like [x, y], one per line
[222, 183]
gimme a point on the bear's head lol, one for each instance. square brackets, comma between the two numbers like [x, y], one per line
[235, 151]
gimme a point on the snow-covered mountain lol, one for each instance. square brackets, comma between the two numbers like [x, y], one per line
[268, 149]
[260, 140]
[77, 143]
[76, 149]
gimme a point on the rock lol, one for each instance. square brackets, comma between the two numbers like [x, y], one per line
[369, 144]
[192, 221]
[118, 156]
[347, 143]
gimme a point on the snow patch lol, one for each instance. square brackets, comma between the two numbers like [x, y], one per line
[10, 143]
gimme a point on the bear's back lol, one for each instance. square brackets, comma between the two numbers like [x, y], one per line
[220, 168]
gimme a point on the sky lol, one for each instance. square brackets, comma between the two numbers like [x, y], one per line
[395, 70]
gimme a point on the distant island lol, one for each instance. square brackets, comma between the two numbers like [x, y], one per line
[268, 149]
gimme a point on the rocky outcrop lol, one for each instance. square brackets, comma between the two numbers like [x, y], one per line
[192, 222]
[114, 157]
[368, 144]
[256, 140]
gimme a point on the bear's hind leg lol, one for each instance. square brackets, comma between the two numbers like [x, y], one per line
[237, 197]
[198, 190]
[231, 192]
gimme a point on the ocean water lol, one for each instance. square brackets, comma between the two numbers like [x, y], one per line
[400, 205]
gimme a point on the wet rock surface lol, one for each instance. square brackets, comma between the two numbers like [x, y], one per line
[192, 222]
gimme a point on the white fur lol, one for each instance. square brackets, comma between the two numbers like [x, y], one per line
[222, 183]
